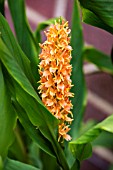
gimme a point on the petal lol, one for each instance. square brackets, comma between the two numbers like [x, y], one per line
[60, 86]
[67, 137]
[49, 102]
[46, 73]
[44, 95]
[48, 83]
[52, 70]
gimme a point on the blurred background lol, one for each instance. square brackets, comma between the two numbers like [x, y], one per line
[100, 85]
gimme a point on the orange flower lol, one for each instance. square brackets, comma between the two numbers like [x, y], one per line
[55, 71]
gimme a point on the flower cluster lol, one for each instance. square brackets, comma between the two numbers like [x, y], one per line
[55, 71]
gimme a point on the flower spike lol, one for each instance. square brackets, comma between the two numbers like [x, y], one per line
[55, 71]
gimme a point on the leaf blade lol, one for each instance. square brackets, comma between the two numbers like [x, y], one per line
[92, 134]
[12, 45]
[101, 60]
[79, 88]
[98, 13]
[7, 118]
[21, 27]
[16, 165]
[31, 130]
[24, 34]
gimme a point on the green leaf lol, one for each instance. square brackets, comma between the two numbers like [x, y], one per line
[15, 71]
[76, 165]
[34, 155]
[98, 13]
[2, 6]
[48, 162]
[79, 88]
[22, 29]
[1, 163]
[18, 149]
[24, 34]
[7, 118]
[32, 131]
[105, 139]
[76, 33]
[16, 165]
[82, 152]
[87, 125]
[90, 18]
[90, 136]
[12, 45]
[102, 61]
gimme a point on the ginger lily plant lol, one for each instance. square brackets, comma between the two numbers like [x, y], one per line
[34, 123]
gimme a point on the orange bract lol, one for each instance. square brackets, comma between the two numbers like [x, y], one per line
[55, 71]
